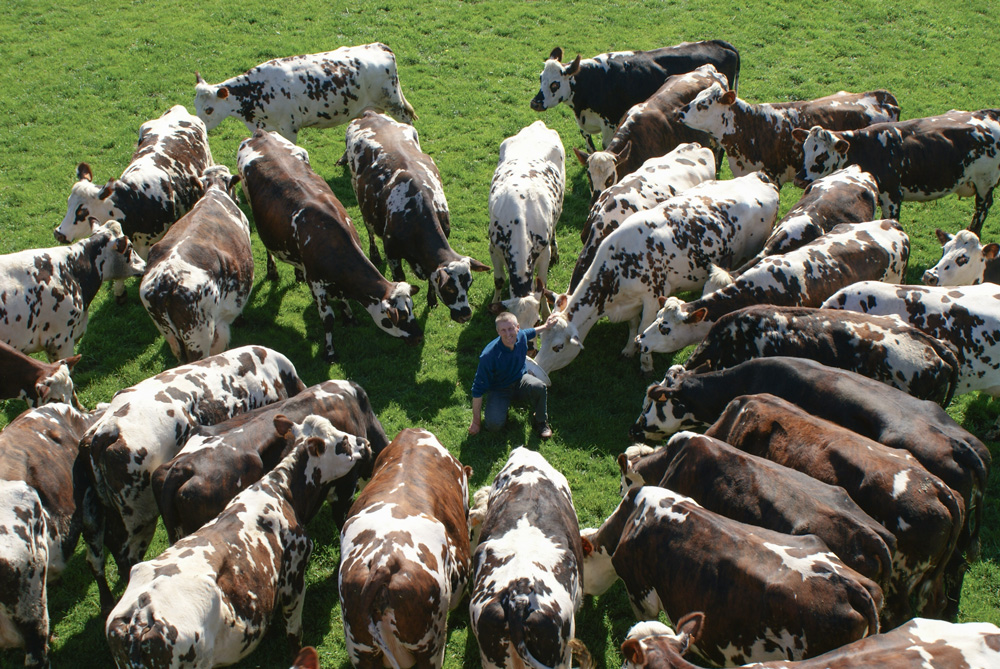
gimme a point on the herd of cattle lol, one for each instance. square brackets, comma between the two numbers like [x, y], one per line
[830, 498]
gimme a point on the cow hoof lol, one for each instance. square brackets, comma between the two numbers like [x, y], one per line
[272, 276]
[121, 299]
[330, 357]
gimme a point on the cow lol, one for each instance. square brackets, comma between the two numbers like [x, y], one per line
[40, 520]
[218, 461]
[923, 514]
[160, 184]
[36, 382]
[759, 136]
[199, 276]
[523, 603]
[756, 491]
[526, 200]
[649, 130]
[45, 293]
[210, 598]
[657, 252]
[402, 201]
[405, 555]
[920, 159]
[919, 643]
[307, 658]
[602, 89]
[146, 425]
[770, 595]
[657, 180]
[302, 222]
[964, 261]
[877, 250]
[321, 90]
[879, 347]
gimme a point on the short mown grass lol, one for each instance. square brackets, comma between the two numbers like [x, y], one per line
[80, 78]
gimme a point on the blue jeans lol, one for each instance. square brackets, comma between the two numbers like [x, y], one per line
[529, 390]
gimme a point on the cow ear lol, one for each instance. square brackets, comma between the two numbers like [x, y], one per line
[496, 308]
[42, 391]
[121, 245]
[696, 316]
[393, 314]
[581, 156]
[315, 446]
[197, 78]
[539, 285]
[477, 266]
[575, 341]
[841, 146]
[587, 547]
[222, 93]
[561, 301]
[108, 189]
[728, 98]
[550, 297]
[557, 54]
[283, 425]
[623, 463]
[71, 361]
[662, 299]
[990, 251]
[799, 135]
[624, 153]
[690, 627]
[84, 173]
[414, 290]
[943, 237]
[657, 393]
[573, 68]
[632, 652]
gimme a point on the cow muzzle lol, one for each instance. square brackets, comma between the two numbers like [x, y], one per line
[538, 103]
[930, 278]
[60, 237]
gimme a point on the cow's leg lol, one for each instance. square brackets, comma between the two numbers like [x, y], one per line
[983, 204]
[326, 317]
[373, 253]
[118, 287]
[292, 584]
[93, 516]
[891, 205]
[272, 267]
[347, 318]
[396, 265]
[643, 321]
[499, 270]
[432, 296]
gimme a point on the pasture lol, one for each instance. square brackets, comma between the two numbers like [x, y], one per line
[81, 78]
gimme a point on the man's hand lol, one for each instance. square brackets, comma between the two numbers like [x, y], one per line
[474, 427]
[549, 322]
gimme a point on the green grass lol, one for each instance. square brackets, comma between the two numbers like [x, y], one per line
[80, 79]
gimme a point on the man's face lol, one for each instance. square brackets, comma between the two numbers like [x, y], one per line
[508, 332]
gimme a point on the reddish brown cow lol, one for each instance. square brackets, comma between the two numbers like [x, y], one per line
[34, 381]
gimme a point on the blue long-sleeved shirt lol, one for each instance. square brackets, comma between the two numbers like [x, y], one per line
[500, 366]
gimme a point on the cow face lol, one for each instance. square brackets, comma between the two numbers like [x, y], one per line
[626, 464]
[675, 327]
[89, 206]
[556, 82]
[963, 260]
[824, 152]
[394, 314]
[525, 309]
[212, 104]
[602, 170]
[118, 259]
[710, 111]
[58, 386]
[598, 572]
[662, 413]
[451, 282]
[220, 177]
[560, 344]
[332, 452]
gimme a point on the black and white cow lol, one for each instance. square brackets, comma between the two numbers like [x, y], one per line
[321, 90]
[45, 293]
[526, 200]
[210, 598]
[161, 183]
[402, 201]
[602, 89]
[964, 261]
[34, 381]
[920, 159]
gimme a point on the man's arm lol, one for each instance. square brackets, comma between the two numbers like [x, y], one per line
[477, 408]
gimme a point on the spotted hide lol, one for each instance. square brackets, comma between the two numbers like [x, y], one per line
[402, 201]
[405, 555]
[656, 253]
[209, 599]
[302, 222]
[526, 200]
[45, 293]
[147, 424]
[920, 159]
[219, 461]
[964, 261]
[767, 595]
[40, 519]
[321, 90]
[199, 276]
[36, 382]
[523, 602]
[759, 136]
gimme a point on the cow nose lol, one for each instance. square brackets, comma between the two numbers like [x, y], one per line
[636, 432]
[60, 237]
[930, 278]
[536, 103]
[461, 315]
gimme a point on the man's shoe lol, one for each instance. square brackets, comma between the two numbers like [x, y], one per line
[544, 431]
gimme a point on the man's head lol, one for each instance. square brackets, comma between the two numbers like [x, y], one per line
[507, 328]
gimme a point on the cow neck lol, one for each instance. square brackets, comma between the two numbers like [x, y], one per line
[706, 395]
[289, 475]
[586, 304]
[609, 534]
[83, 267]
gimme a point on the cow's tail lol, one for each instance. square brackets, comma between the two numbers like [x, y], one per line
[375, 600]
[517, 608]
[867, 602]
[166, 486]
[581, 655]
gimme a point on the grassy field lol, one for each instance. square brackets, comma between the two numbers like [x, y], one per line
[82, 77]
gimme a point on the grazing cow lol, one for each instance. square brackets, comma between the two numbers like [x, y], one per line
[219, 461]
[649, 130]
[526, 200]
[302, 222]
[523, 602]
[36, 382]
[209, 599]
[45, 293]
[322, 90]
[306, 659]
[920, 159]
[602, 89]
[756, 491]
[918, 643]
[657, 252]
[923, 514]
[160, 184]
[147, 424]
[402, 201]
[656, 181]
[964, 261]
[768, 595]
[405, 555]
[879, 347]
[199, 276]
[40, 521]
[877, 250]
[759, 137]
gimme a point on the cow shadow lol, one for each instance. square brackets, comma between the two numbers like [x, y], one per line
[576, 202]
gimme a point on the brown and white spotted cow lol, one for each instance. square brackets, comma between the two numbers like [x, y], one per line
[768, 595]
[526, 200]
[920, 159]
[147, 424]
[210, 598]
[160, 184]
[45, 293]
[36, 382]
[964, 261]
[220, 460]
[302, 222]
[527, 581]
[321, 90]
[405, 555]
[759, 136]
[402, 201]
[40, 522]
[656, 253]
[199, 276]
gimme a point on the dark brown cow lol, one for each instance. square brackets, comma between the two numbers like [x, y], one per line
[34, 381]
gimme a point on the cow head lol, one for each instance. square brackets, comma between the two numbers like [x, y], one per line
[394, 313]
[332, 452]
[710, 111]
[212, 103]
[652, 644]
[561, 343]
[525, 309]
[451, 282]
[602, 167]
[662, 413]
[117, 258]
[677, 325]
[824, 152]
[598, 572]
[88, 206]
[556, 81]
[58, 386]
[220, 177]
[626, 464]
[963, 260]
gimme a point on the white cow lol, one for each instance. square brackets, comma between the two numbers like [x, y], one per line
[964, 261]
